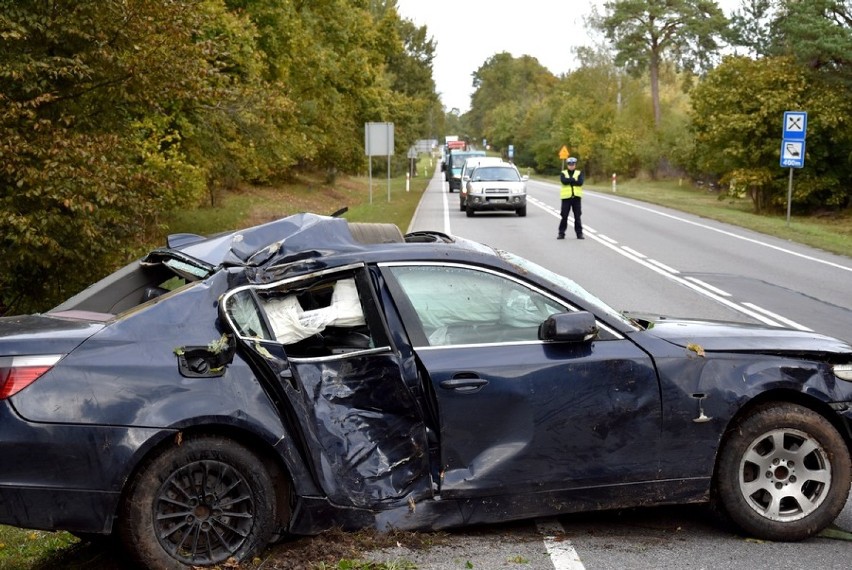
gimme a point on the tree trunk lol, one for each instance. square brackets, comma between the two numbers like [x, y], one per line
[758, 198]
[654, 70]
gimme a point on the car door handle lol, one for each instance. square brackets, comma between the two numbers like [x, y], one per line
[463, 383]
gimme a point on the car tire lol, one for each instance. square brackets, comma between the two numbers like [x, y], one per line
[469, 211]
[783, 473]
[522, 212]
[364, 232]
[168, 521]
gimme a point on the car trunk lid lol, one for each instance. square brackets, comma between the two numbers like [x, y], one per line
[46, 334]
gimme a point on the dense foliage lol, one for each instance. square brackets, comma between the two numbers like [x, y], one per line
[115, 111]
[738, 132]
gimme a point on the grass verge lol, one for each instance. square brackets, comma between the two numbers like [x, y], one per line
[367, 201]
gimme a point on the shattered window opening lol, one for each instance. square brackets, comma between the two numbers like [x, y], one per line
[298, 316]
[320, 319]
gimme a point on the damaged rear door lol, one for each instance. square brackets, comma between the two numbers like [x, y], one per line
[518, 414]
[338, 382]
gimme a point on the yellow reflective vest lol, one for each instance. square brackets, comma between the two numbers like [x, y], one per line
[568, 191]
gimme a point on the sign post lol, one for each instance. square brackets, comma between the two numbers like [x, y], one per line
[793, 147]
[378, 141]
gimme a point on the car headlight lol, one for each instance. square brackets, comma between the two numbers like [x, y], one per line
[843, 371]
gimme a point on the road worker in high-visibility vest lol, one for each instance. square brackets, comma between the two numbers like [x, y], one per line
[572, 198]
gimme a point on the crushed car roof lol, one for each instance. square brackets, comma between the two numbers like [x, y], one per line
[257, 245]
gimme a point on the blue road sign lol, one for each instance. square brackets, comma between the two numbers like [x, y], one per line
[795, 125]
[793, 139]
[792, 153]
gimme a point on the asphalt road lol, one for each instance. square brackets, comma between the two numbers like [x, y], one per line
[645, 258]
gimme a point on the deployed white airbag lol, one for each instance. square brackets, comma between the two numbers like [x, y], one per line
[291, 323]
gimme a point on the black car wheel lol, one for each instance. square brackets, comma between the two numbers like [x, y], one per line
[522, 212]
[199, 503]
[469, 211]
[783, 473]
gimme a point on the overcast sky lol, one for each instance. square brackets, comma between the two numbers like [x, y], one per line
[468, 32]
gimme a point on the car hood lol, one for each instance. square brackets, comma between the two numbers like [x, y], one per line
[717, 336]
[43, 334]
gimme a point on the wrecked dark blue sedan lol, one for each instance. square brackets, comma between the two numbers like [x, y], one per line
[309, 373]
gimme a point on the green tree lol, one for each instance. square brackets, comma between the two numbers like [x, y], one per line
[113, 112]
[644, 33]
[818, 33]
[752, 26]
[505, 88]
[409, 68]
[604, 118]
[343, 64]
[240, 124]
[84, 170]
[737, 118]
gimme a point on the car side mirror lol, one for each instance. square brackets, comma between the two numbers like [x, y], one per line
[525, 177]
[569, 327]
[466, 178]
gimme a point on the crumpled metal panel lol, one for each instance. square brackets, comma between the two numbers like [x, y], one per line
[364, 433]
[740, 337]
[273, 242]
[701, 395]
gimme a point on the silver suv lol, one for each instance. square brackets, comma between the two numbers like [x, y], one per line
[495, 187]
[468, 167]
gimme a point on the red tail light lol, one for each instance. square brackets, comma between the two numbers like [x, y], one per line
[18, 372]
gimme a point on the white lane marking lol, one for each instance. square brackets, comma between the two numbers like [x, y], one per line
[727, 233]
[786, 321]
[562, 553]
[739, 308]
[663, 266]
[446, 210]
[633, 251]
[708, 286]
[607, 238]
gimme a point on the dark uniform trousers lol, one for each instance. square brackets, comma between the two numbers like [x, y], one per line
[568, 204]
